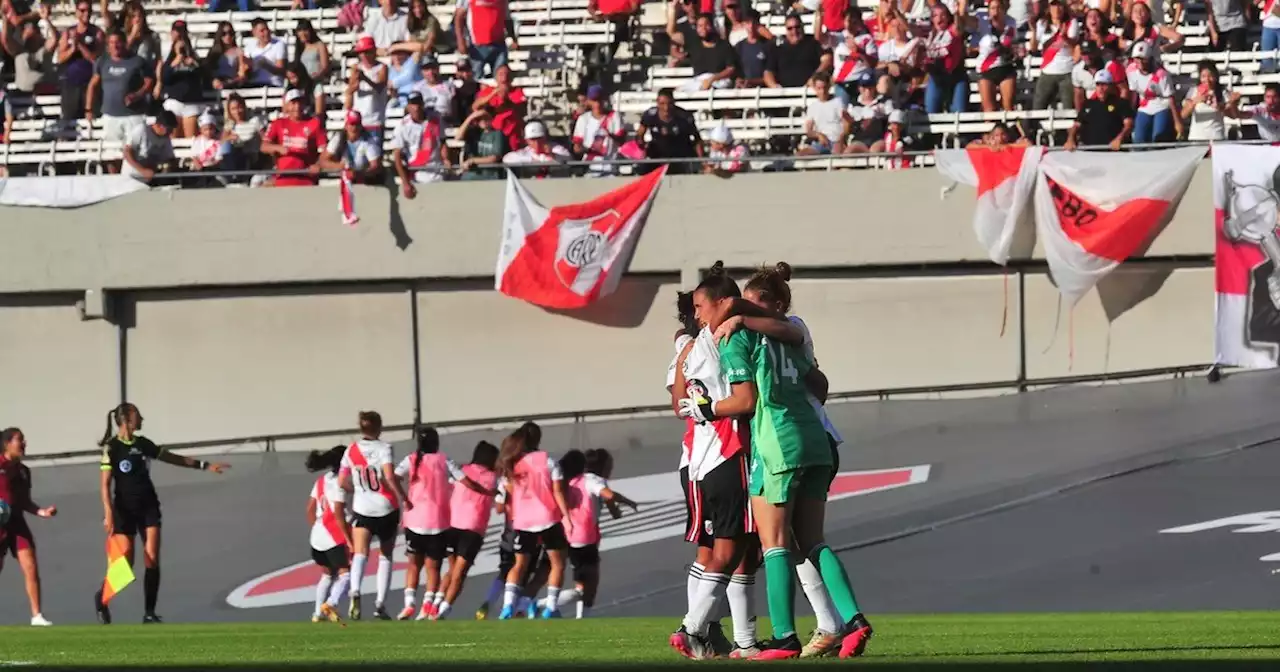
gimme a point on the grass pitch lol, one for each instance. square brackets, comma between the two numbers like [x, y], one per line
[1208, 641]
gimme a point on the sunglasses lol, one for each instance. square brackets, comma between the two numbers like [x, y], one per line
[793, 27]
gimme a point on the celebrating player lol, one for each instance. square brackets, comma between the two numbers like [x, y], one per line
[330, 532]
[586, 479]
[15, 535]
[368, 472]
[469, 511]
[133, 508]
[536, 497]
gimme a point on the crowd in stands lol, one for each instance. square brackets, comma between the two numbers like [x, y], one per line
[869, 81]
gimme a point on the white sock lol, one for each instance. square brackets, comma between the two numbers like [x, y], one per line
[553, 597]
[721, 610]
[509, 593]
[322, 591]
[816, 591]
[384, 578]
[410, 597]
[742, 606]
[582, 609]
[428, 599]
[695, 573]
[357, 575]
[439, 599]
[442, 609]
[339, 589]
[711, 589]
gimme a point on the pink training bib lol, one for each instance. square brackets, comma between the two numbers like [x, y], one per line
[429, 491]
[468, 509]
[584, 512]
[532, 498]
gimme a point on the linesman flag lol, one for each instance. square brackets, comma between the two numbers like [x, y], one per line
[119, 573]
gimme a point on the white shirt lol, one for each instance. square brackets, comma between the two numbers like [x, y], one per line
[876, 108]
[208, 151]
[892, 52]
[364, 460]
[990, 55]
[527, 155]
[1206, 122]
[1081, 78]
[149, 149]
[671, 381]
[848, 66]
[358, 155]
[331, 494]
[421, 143]
[705, 381]
[1154, 90]
[386, 32]
[1268, 124]
[371, 102]
[817, 405]
[1056, 57]
[438, 96]
[828, 118]
[257, 54]
[597, 135]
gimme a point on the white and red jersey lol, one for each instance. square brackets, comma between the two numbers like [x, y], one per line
[853, 57]
[945, 50]
[598, 137]
[364, 461]
[327, 531]
[1153, 89]
[731, 159]
[583, 497]
[1268, 122]
[429, 486]
[421, 143]
[1055, 46]
[892, 52]
[1154, 41]
[716, 441]
[994, 43]
[533, 503]
[469, 510]
[1269, 16]
[486, 21]
[894, 146]
[686, 442]
[808, 348]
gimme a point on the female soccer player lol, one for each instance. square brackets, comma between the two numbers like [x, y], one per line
[536, 497]
[133, 508]
[587, 487]
[469, 511]
[330, 532]
[368, 471]
[15, 536]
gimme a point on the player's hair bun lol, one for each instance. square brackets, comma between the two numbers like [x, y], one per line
[783, 269]
[716, 269]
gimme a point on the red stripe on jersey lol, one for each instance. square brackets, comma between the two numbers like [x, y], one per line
[358, 459]
[687, 441]
[327, 517]
[730, 438]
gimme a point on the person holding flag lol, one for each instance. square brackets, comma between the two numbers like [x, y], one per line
[15, 535]
[419, 146]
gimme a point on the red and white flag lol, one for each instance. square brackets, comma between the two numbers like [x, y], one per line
[1005, 179]
[1246, 201]
[347, 198]
[570, 255]
[1096, 209]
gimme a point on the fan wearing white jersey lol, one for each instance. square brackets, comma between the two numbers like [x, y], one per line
[368, 471]
[330, 532]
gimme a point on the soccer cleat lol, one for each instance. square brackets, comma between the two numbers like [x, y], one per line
[39, 621]
[483, 612]
[353, 610]
[856, 641]
[329, 613]
[407, 613]
[380, 613]
[821, 644]
[150, 619]
[745, 652]
[531, 610]
[690, 645]
[506, 614]
[719, 643]
[550, 613]
[780, 649]
[317, 618]
[104, 613]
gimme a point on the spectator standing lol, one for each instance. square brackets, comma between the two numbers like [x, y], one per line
[294, 139]
[1207, 105]
[1107, 119]
[367, 86]
[437, 93]
[481, 28]
[180, 82]
[901, 55]
[225, 64]
[424, 28]
[948, 86]
[387, 24]
[796, 59]
[993, 44]
[828, 22]
[869, 116]
[465, 90]
[404, 71]
[667, 131]
[1227, 25]
[125, 82]
[31, 44]
[538, 151]
[482, 149]
[727, 157]
[598, 132]
[1270, 10]
[311, 52]
[826, 125]
[242, 133]
[147, 149]
[419, 147]
[1266, 115]
[354, 149]
[265, 55]
[737, 24]
[854, 56]
[1097, 31]
[714, 61]
[507, 104]
[753, 53]
[1054, 38]
[1160, 39]
[1151, 83]
[79, 48]
[140, 40]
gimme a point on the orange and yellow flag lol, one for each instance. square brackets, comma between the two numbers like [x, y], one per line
[119, 573]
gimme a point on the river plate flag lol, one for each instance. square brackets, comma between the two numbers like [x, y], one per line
[1246, 202]
[1005, 179]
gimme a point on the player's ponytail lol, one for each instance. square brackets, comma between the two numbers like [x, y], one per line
[599, 462]
[513, 448]
[771, 285]
[428, 442]
[111, 425]
[686, 314]
[532, 435]
[573, 464]
[326, 460]
[116, 418]
[485, 455]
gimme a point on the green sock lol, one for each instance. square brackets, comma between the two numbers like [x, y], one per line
[837, 582]
[782, 592]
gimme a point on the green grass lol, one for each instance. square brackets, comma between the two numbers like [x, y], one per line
[1155, 641]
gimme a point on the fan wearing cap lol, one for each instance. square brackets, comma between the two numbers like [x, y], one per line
[403, 71]
[483, 147]
[869, 114]
[540, 150]
[367, 86]
[207, 149]
[727, 157]
[180, 82]
[420, 155]
[465, 90]
[896, 140]
[1106, 120]
[436, 93]
[1153, 87]
[598, 131]
[294, 139]
[148, 150]
[265, 54]
[352, 148]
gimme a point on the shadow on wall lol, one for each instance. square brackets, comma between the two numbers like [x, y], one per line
[625, 308]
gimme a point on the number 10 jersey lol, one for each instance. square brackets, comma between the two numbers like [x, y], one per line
[364, 460]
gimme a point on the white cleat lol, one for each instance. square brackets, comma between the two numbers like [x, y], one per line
[39, 621]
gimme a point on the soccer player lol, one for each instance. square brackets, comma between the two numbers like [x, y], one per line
[330, 532]
[15, 536]
[790, 471]
[536, 497]
[132, 507]
[368, 472]
[469, 511]
[587, 488]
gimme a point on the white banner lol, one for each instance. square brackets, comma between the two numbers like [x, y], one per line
[1246, 201]
[66, 191]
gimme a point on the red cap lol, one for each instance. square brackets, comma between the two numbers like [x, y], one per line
[365, 43]
[353, 117]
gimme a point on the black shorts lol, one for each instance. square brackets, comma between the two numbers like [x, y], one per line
[693, 531]
[584, 556]
[384, 528]
[1000, 73]
[333, 559]
[835, 457]
[466, 544]
[433, 546]
[506, 560]
[133, 520]
[533, 543]
[722, 503]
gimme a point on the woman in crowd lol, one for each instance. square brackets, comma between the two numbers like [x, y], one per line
[296, 77]
[405, 72]
[993, 44]
[424, 27]
[1153, 87]
[180, 82]
[1205, 108]
[225, 64]
[330, 532]
[141, 41]
[15, 535]
[242, 131]
[1140, 28]
[311, 52]
[1097, 31]
[1054, 38]
[948, 87]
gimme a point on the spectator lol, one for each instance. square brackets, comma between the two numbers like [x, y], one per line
[208, 149]
[386, 25]
[1266, 115]
[713, 60]
[797, 58]
[419, 145]
[265, 55]
[869, 116]
[423, 26]
[79, 48]
[242, 133]
[225, 63]
[367, 86]
[141, 41]
[506, 103]
[436, 93]
[683, 12]
[465, 90]
[826, 125]
[737, 24]
[354, 149]
[32, 52]
[901, 55]
[727, 157]
[1083, 76]
[404, 71]
[294, 139]
[993, 44]
[537, 151]
[828, 22]
[1107, 119]
[241, 5]
[854, 56]
[1228, 26]
[669, 132]
[125, 82]
[147, 149]
[1270, 32]
[1097, 30]
[598, 132]
[948, 86]
[1139, 28]
[180, 82]
[896, 140]
[1054, 38]
[296, 77]
[481, 28]
[483, 149]
[1153, 87]
[311, 52]
[999, 137]
[1206, 107]
[752, 54]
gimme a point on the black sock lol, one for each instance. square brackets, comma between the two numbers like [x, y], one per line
[151, 588]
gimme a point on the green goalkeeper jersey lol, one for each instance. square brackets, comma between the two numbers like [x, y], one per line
[786, 433]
